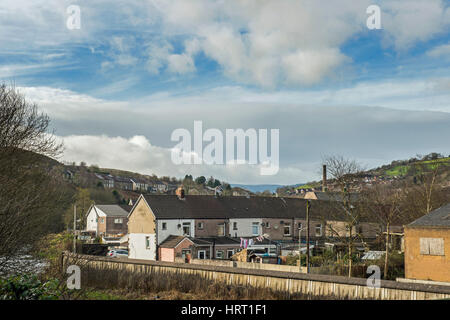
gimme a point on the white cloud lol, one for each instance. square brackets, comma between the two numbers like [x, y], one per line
[263, 42]
[180, 63]
[440, 51]
[309, 67]
[116, 134]
[139, 155]
[412, 21]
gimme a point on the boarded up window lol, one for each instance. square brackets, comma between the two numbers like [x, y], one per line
[432, 246]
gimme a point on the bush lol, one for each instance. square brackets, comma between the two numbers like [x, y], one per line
[28, 287]
[396, 265]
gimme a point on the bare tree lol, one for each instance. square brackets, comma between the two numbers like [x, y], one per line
[31, 194]
[425, 185]
[385, 204]
[344, 173]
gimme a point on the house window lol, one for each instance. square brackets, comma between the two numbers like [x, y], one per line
[234, 225]
[164, 225]
[300, 226]
[432, 246]
[267, 224]
[147, 242]
[187, 228]
[200, 225]
[230, 253]
[287, 230]
[201, 254]
[219, 254]
[102, 220]
[221, 229]
[318, 230]
[185, 252]
[255, 228]
[118, 221]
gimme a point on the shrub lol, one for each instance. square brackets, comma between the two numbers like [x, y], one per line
[28, 287]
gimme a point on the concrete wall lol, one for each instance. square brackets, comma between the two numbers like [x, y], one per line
[141, 219]
[138, 248]
[426, 267]
[244, 227]
[125, 271]
[249, 265]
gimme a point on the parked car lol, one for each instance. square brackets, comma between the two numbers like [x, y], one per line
[117, 253]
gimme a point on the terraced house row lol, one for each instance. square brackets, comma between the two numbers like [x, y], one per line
[155, 218]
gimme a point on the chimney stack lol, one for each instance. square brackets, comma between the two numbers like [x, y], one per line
[180, 193]
[324, 178]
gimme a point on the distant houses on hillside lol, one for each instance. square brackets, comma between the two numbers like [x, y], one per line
[109, 181]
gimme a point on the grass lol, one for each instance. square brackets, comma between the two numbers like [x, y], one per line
[402, 170]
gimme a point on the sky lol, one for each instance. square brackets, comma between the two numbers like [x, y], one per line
[136, 70]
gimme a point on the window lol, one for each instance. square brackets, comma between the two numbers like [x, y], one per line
[200, 225]
[318, 230]
[118, 221]
[230, 253]
[432, 246]
[147, 242]
[234, 225]
[300, 226]
[102, 220]
[221, 229]
[201, 254]
[164, 225]
[185, 252]
[187, 228]
[255, 228]
[287, 230]
[219, 254]
[267, 224]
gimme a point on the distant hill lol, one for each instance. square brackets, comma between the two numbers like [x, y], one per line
[397, 170]
[258, 187]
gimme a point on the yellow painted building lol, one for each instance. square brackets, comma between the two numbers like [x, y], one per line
[427, 247]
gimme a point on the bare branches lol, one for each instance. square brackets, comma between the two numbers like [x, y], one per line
[347, 208]
[32, 195]
[22, 127]
[342, 170]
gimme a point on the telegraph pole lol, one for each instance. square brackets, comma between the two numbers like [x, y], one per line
[299, 250]
[307, 235]
[74, 228]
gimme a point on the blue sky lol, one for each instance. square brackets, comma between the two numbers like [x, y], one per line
[137, 70]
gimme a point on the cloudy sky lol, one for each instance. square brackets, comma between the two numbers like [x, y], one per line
[136, 70]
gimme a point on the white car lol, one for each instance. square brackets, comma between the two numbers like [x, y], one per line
[117, 253]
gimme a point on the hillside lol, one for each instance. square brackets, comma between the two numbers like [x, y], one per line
[397, 170]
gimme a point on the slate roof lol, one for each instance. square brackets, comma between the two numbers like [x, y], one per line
[210, 207]
[436, 218]
[113, 210]
[224, 240]
[172, 241]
